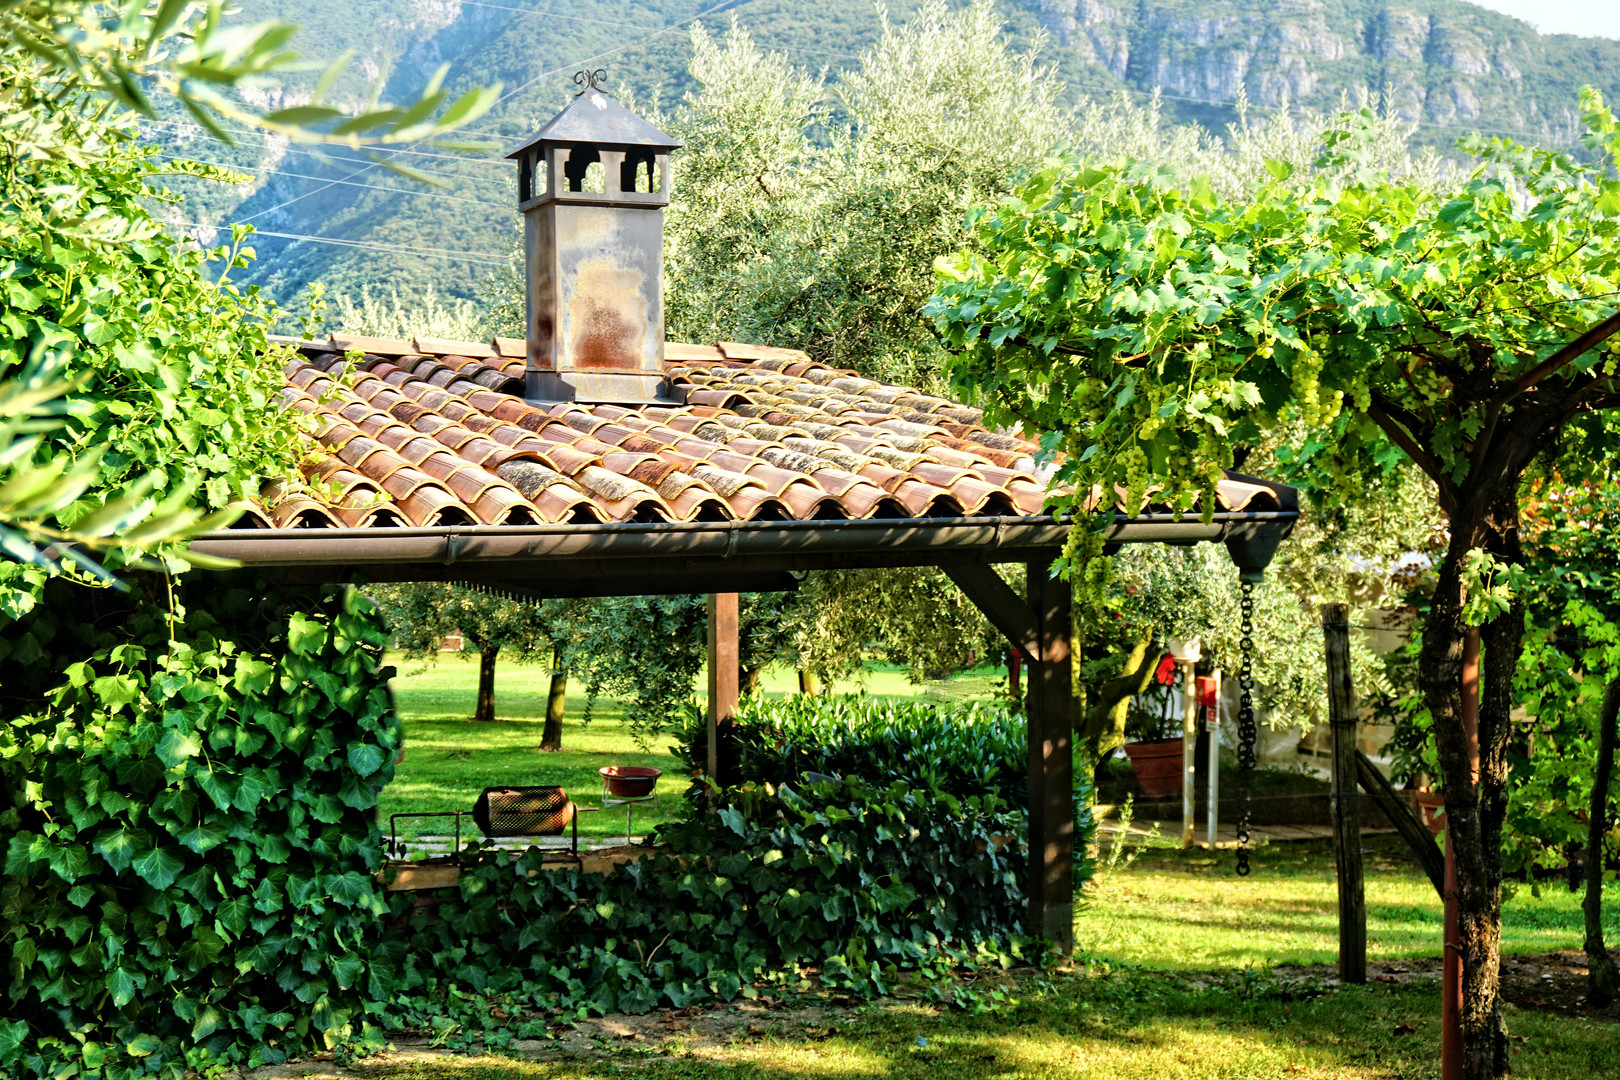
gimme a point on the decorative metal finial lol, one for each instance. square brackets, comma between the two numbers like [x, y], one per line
[589, 80]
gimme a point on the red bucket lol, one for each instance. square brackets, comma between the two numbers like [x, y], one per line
[630, 781]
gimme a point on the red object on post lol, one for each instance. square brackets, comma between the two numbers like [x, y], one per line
[1209, 689]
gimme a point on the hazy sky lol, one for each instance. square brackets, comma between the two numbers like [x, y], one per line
[1589, 18]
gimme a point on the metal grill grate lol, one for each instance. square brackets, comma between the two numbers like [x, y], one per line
[523, 811]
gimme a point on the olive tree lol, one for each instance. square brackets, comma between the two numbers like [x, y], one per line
[1150, 326]
[421, 616]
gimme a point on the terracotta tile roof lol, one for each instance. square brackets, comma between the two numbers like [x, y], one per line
[437, 433]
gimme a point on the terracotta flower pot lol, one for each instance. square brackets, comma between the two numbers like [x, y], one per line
[1157, 766]
[630, 781]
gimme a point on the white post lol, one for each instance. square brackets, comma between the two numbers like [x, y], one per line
[1189, 756]
[1212, 722]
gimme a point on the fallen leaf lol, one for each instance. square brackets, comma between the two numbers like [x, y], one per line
[1404, 1029]
[1385, 978]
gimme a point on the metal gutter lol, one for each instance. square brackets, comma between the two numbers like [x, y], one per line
[715, 540]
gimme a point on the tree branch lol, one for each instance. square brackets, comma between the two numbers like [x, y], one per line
[1566, 355]
[1384, 413]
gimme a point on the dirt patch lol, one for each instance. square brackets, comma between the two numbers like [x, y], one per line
[1554, 981]
[693, 1030]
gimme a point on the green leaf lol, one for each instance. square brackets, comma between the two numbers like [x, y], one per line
[158, 867]
[143, 1045]
[123, 986]
[13, 1035]
[177, 746]
[120, 846]
[365, 758]
[304, 635]
[201, 838]
[233, 913]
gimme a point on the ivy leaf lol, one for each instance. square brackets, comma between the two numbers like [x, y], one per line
[304, 635]
[69, 861]
[20, 854]
[208, 1021]
[143, 1045]
[13, 1033]
[365, 758]
[203, 948]
[177, 746]
[123, 986]
[120, 846]
[201, 838]
[233, 913]
[158, 867]
[115, 691]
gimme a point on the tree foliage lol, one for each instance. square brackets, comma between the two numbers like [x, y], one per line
[165, 376]
[1150, 326]
[125, 52]
[422, 616]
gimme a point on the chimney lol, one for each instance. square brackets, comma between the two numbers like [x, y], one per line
[592, 187]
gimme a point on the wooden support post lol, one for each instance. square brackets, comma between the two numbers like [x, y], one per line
[1051, 763]
[1345, 800]
[723, 671]
[1451, 965]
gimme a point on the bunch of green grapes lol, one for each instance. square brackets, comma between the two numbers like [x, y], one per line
[1136, 476]
[1306, 372]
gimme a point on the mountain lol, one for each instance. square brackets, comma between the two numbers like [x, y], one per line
[1448, 66]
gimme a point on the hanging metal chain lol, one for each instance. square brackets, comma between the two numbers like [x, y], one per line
[1248, 732]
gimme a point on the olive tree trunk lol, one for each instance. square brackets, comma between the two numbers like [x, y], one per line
[556, 699]
[1603, 981]
[1102, 726]
[1475, 811]
[484, 711]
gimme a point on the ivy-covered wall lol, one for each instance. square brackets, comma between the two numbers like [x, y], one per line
[858, 882]
[188, 782]
[187, 824]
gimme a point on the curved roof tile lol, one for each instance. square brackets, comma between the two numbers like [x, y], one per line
[432, 432]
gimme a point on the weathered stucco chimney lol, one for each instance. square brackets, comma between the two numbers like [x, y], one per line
[592, 187]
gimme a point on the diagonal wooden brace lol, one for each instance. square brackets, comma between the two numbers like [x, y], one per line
[1006, 610]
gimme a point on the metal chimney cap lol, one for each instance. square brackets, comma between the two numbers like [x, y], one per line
[595, 119]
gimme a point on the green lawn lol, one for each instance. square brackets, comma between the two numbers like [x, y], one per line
[1186, 910]
[1176, 953]
[449, 759]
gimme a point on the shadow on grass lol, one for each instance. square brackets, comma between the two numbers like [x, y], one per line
[1236, 1025]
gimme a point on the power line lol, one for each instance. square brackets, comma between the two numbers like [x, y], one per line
[293, 149]
[1282, 108]
[482, 257]
[369, 187]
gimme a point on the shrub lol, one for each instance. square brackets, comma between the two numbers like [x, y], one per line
[963, 750]
[859, 881]
[186, 815]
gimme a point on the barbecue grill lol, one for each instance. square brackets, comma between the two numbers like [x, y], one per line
[541, 810]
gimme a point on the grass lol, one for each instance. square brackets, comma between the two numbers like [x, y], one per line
[1177, 953]
[1186, 910]
[1089, 1027]
[449, 759]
